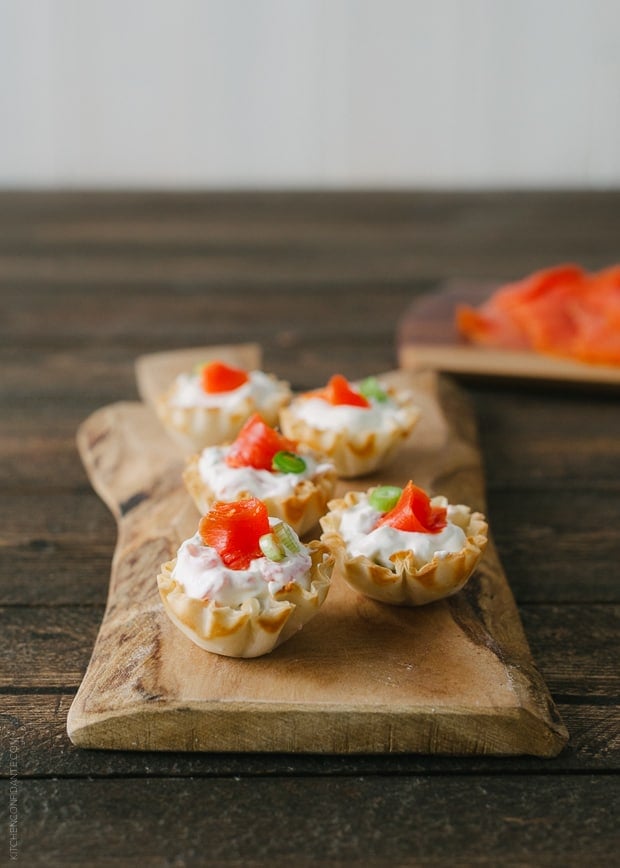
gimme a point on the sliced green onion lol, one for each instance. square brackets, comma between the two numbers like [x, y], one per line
[384, 497]
[288, 462]
[372, 388]
[271, 548]
[286, 538]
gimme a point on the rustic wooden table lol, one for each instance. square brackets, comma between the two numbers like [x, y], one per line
[87, 283]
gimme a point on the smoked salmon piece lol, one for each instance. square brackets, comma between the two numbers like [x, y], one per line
[415, 513]
[562, 311]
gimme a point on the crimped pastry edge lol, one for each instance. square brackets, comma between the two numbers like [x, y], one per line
[301, 510]
[353, 455]
[407, 584]
[247, 630]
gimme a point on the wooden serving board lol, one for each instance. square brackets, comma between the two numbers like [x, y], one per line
[428, 339]
[455, 677]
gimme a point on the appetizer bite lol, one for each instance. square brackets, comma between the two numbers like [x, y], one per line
[294, 482]
[359, 427]
[400, 546]
[211, 404]
[244, 583]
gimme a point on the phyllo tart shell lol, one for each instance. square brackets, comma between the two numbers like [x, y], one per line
[195, 427]
[253, 628]
[354, 453]
[409, 583]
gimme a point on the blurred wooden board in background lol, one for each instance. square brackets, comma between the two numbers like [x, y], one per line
[428, 339]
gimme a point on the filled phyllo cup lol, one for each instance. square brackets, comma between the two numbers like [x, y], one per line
[244, 583]
[360, 427]
[210, 404]
[401, 546]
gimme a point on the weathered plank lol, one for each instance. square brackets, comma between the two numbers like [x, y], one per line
[55, 549]
[528, 438]
[575, 646]
[67, 538]
[39, 721]
[559, 437]
[384, 820]
[43, 647]
[584, 222]
[211, 313]
[578, 648]
[553, 544]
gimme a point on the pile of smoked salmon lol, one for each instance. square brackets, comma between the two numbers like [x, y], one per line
[562, 311]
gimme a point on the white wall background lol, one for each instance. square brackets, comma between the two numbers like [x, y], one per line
[304, 93]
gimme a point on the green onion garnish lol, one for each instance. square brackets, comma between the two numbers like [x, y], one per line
[271, 548]
[286, 538]
[384, 497]
[288, 462]
[372, 388]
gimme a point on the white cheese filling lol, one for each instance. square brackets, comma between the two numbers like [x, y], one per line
[227, 483]
[188, 392]
[203, 575]
[324, 416]
[356, 529]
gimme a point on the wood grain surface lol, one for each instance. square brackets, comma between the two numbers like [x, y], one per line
[90, 281]
[363, 677]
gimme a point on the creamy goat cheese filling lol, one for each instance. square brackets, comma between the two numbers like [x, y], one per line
[227, 483]
[325, 416]
[188, 392]
[357, 528]
[204, 576]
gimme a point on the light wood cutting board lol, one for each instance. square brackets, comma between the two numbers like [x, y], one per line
[455, 677]
[428, 340]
